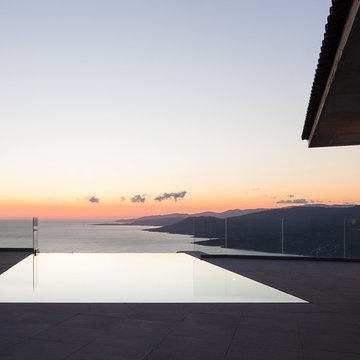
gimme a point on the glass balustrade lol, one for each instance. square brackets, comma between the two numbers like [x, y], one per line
[309, 237]
[18, 233]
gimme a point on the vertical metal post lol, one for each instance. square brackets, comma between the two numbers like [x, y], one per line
[35, 271]
[225, 233]
[282, 235]
[194, 233]
[344, 238]
[35, 235]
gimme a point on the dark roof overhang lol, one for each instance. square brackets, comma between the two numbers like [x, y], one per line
[333, 114]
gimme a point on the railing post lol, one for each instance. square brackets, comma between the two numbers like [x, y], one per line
[282, 236]
[226, 233]
[344, 238]
[35, 235]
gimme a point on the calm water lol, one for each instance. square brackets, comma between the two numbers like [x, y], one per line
[84, 236]
[130, 278]
[16, 233]
[80, 236]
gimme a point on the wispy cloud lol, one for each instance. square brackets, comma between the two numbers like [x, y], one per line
[295, 201]
[122, 198]
[291, 195]
[138, 198]
[93, 199]
[172, 196]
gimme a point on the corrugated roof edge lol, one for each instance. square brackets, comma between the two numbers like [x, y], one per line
[339, 12]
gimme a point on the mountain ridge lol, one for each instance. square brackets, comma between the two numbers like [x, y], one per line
[169, 219]
[173, 218]
[306, 230]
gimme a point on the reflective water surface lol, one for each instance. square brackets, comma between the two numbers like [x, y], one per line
[130, 278]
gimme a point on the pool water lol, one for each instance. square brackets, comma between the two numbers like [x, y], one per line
[130, 278]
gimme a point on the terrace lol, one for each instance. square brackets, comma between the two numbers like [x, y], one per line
[327, 326]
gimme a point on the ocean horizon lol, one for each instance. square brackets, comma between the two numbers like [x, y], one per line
[92, 236]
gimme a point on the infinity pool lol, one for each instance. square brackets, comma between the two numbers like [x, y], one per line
[130, 278]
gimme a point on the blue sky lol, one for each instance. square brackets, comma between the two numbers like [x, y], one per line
[117, 98]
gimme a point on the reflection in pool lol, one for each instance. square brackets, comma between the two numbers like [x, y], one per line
[130, 278]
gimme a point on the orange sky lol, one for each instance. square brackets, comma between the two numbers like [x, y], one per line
[148, 105]
[109, 209]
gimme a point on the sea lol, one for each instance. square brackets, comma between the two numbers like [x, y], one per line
[92, 236]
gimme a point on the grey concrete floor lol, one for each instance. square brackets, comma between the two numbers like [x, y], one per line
[326, 328]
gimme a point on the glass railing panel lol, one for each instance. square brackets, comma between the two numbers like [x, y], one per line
[351, 238]
[241, 235]
[314, 237]
[238, 236]
[325, 237]
[208, 234]
[16, 233]
[259, 234]
[82, 236]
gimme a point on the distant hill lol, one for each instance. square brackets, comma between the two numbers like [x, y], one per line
[202, 226]
[155, 220]
[169, 219]
[229, 213]
[308, 230]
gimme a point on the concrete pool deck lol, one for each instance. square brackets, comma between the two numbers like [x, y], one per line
[327, 328]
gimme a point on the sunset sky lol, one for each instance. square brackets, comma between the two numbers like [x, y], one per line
[107, 105]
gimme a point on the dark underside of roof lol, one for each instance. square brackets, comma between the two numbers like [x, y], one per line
[333, 30]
